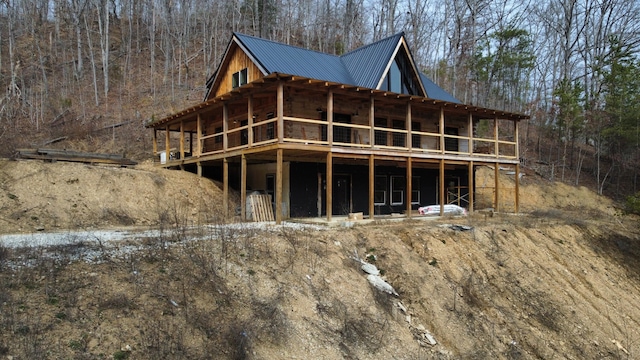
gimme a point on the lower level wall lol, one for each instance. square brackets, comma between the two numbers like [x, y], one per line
[351, 189]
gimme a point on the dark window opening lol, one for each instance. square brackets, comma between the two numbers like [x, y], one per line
[239, 78]
[380, 190]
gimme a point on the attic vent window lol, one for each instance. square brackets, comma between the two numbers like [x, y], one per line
[239, 78]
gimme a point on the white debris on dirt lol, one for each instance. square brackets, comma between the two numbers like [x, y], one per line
[370, 269]
[381, 285]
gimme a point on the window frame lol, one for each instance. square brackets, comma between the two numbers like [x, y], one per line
[239, 78]
[380, 179]
[395, 191]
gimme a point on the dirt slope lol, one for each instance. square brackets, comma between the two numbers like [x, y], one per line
[560, 281]
[42, 196]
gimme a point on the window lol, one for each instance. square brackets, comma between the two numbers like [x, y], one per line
[239, 78]
[380, 190]
[380, 136]
[399, 78]
[397, 190]
[415, 190]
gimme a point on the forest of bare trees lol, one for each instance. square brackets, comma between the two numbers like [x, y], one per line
[79, 69]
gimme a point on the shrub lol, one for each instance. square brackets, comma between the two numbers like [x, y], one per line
[632, 205]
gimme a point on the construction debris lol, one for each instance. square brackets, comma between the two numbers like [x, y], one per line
[74, 156]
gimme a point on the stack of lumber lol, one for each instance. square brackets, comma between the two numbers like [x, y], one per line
[75, 156]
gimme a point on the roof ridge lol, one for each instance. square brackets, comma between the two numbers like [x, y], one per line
[398, 35]
[283, 44]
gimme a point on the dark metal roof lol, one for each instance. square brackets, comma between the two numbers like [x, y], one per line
[436, 92]
[276, 57]
[362, 67]
[367, 64]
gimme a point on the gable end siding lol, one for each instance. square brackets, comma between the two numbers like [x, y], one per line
[237, 61]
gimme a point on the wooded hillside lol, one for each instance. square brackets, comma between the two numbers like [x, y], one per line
[90, 73]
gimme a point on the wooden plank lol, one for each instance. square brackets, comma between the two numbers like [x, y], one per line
[496, 171]
[279, 176]
[225, 187]
[409, 186]
[243, 187]
[517, 194]
[471, 186]
[372, 177]
[329, 181]
[441, 186]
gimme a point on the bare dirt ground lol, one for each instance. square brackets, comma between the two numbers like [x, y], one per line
[560, 280]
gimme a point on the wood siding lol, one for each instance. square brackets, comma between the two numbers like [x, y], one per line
[236, 62]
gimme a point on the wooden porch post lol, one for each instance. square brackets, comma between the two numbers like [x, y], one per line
[243, 187]
[495, 135]
[225, 126]
[250, 120]
[372, 178]
[199, 135]
[155, 141]
[470, 133]
[441, 187]
[279, 186]
[181, 144]
[199, 168]
[408, 126]
[280, 111]
[471, 185]
[517, 153]
[181, 139]
[441, 131]
[496, 174]
[372, 133]
[225, 186]
[409, 186]
[167, 143]
[517, 194]
[330, 117]
[329, 190]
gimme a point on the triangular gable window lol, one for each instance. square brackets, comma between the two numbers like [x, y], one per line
[400, 77]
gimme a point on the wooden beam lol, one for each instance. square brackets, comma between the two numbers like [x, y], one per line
[155, 141]
[330, 117]
[441, 187]
[495, 135]
[167, 143]
[225, 126]
[181, 143]
[408, 187]
[279, 176]
[250, 120]
[441, 126]
[496, 174]
[319, 197]
[408, 126]
[243, 187]
[471, 186]
[199, 135]
[372, 178]
[280, 111]
[470, 133]
[329, 187]
[199, 168]
[372, 133]
[517, 194]
[225, 187]
[516, 137]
